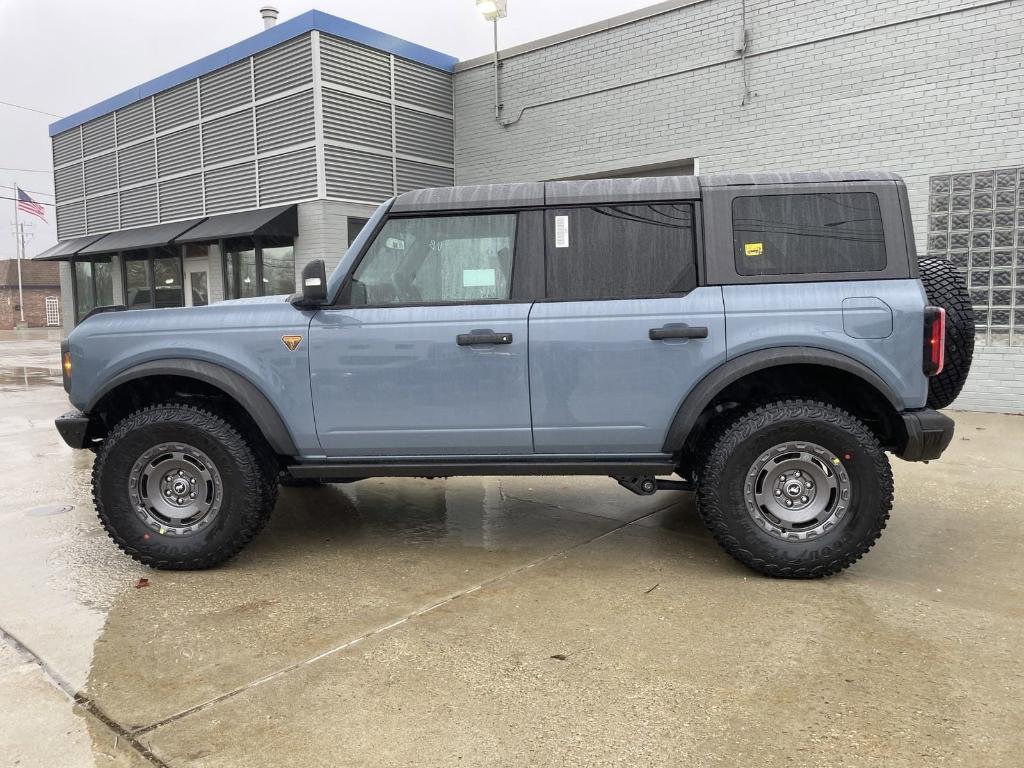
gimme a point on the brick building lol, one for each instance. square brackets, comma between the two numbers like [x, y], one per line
[40, 283]
[317, 120]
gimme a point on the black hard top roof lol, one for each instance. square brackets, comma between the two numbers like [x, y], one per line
[605, 191]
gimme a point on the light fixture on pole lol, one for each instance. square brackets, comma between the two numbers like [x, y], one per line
[493, 10]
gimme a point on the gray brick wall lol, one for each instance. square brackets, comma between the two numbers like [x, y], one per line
[918, 87]
[323, 232]
[67, 298]
[996, 382]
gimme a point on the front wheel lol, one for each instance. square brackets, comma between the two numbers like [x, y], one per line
[795, 489]
[178, 487]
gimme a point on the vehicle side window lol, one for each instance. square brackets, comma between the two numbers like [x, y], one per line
[808, 233]
[437, 259]
[620, 251]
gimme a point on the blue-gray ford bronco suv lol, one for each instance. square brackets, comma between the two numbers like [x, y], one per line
[762, 340]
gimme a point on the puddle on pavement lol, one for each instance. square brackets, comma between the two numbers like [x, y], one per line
[13, 378]
[49, 510]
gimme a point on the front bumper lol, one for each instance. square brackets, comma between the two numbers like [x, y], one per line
[928, 434]
[74, 428]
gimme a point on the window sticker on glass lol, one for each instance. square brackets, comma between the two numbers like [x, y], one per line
[561, 231]
[753, 249]
[479, 278]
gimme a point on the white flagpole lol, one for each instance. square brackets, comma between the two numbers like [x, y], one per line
[19, 247]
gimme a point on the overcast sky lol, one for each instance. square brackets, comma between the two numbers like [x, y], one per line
[63, 55]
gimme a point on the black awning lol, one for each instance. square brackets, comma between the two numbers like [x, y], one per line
[142, 237]
[65, 249]
[281, 221]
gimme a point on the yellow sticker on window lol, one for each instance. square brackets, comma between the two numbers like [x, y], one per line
[753, 249]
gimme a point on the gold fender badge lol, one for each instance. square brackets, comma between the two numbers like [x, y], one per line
[291, 342]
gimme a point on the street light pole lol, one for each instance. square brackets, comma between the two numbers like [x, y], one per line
[497, 66]
[493, 10]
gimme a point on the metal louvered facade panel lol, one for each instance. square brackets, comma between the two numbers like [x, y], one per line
[287, 66]
[231, 189]
[418, 175]
[98, 135]
[138, 206]
[358, 176]
[135, 121]
[68, 182]
[100, 173]
[67, 147]
[423, 86]
[228, 138]
[285, 122]
[287, 178]
[181, 198]
[426, 136]
[226, 88]
[70, 220]
[178, 152]
[246, 136]
[354, 66]
[136, 163]
[177, 106]
[356, 120]
[101, 214]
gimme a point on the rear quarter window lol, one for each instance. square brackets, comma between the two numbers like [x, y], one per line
[808, 233]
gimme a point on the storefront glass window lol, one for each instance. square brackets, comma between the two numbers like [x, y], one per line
[278, 269]
[167, 274]
[240, 278]
[136, 281]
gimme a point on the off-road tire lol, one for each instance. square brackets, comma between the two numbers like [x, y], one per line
[249, 486]
[722, 504]
[947, 288]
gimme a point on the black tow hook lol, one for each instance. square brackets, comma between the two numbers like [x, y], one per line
[646, 485]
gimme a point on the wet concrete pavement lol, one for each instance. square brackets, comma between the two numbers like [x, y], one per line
[505, 622]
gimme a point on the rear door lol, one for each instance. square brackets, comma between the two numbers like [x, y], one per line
[426, 353]
[624, 332]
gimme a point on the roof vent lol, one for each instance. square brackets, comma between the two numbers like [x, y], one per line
[269, 14]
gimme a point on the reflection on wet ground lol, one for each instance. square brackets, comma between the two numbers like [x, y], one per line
[24, 377]
[486, 621]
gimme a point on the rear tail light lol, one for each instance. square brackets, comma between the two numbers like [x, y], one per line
[934, 340]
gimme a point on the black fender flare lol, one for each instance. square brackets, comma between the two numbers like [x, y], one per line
[733, 370]
[234, 385]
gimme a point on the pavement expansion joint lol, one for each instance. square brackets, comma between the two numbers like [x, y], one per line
[386, 627]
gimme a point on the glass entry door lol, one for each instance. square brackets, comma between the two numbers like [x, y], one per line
[197, 293]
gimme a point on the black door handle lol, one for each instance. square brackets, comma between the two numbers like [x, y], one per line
[678, 332]
[469, 339]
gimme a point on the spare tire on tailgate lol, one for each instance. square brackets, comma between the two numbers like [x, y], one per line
[947, 288]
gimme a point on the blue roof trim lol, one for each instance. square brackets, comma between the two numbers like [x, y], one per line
[268, 38]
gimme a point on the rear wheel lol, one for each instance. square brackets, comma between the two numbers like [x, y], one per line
[796, 489]
[178, 487]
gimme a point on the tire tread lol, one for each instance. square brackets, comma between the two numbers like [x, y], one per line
[732, 435]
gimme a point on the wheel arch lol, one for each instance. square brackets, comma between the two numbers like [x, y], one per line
[696, 404]
[246, 395]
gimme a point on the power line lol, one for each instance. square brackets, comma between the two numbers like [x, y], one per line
[25, 170]
[30, 109]
[41, 202]
[31, 192]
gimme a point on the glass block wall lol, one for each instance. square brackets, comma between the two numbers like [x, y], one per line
[976, 221]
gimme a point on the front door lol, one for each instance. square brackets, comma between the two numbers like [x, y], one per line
[197, 292]
[426, 353]
[626, 332]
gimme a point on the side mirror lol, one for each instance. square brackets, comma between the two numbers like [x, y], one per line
[314, 285]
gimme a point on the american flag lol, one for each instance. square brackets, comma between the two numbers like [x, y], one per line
[28, 205]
